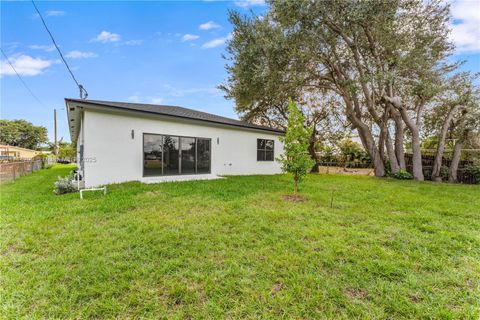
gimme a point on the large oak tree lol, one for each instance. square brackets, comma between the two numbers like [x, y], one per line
[378, 61]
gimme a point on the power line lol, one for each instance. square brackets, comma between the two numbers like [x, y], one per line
[82, 89]
[21, 79]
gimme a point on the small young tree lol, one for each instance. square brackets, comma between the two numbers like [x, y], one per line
[296, 159]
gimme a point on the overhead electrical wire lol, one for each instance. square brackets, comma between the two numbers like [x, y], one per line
[21, 80]
[83, 92]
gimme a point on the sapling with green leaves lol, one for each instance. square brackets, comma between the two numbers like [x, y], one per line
[295, 159]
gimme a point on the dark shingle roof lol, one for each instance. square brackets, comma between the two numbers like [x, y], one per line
[174, 111]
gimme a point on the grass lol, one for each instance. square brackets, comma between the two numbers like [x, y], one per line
[233, 248]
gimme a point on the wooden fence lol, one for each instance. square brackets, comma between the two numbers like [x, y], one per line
[463, 174]
[15, 169]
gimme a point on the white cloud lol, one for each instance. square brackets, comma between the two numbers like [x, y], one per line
[189, 37]
[209, 25]
[156, 100]
[466, 26]
[42, 47]
[167, 93]
[10, 46]
[181, 92]
[133, 42]
[216, 42]
[106, 36]
[249, 3]
[136, 98]
[25, 65]
[55, 13]
[75, 54]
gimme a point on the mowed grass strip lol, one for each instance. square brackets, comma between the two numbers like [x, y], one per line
[234, 248]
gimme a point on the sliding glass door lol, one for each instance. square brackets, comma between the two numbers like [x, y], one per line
[173, 155]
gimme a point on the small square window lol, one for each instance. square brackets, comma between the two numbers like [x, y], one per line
[265, 150]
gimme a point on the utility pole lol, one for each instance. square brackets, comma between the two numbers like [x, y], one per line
[55, 148]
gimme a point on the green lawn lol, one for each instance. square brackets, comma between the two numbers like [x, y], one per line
[233, 248]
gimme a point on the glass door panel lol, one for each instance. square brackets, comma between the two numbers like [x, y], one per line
[203, 155]
[171, 155]
[187, 146]
[152, 155]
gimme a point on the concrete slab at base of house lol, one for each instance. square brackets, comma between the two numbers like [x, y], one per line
[180, 178]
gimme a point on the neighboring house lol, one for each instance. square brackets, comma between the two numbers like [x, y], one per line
[118, 142]
[7, 151]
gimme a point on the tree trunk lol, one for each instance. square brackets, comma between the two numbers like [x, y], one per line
[397, 103]
[416, 150]
[391, 154]
[399, 137]
[437, 164]
[369, 145]
[354, 116]
[452, 171]
[381, 142]
[313, 154]
[417, 157]
[295, 185]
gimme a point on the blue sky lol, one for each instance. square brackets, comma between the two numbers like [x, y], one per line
[152, 52]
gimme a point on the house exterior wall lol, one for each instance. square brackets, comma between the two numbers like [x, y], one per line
[80, 156]
[17, 152]
[112, 156]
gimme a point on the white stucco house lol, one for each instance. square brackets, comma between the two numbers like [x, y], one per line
[119, 142]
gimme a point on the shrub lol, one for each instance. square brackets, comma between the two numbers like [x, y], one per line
[402, 175]
[388, 168]
[351, 151]
[474, 169]
[444, 170]
[64, 185]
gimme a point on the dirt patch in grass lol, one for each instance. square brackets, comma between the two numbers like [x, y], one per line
[355, 293]
[11, 249]
[277, 287]
[414, 298]
[349, 171]
[200, 291]
[293, 198]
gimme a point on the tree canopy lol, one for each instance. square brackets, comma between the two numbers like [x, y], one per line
[21, 133]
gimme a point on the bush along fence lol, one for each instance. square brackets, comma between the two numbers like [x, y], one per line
[11, 170]
[466, 172]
